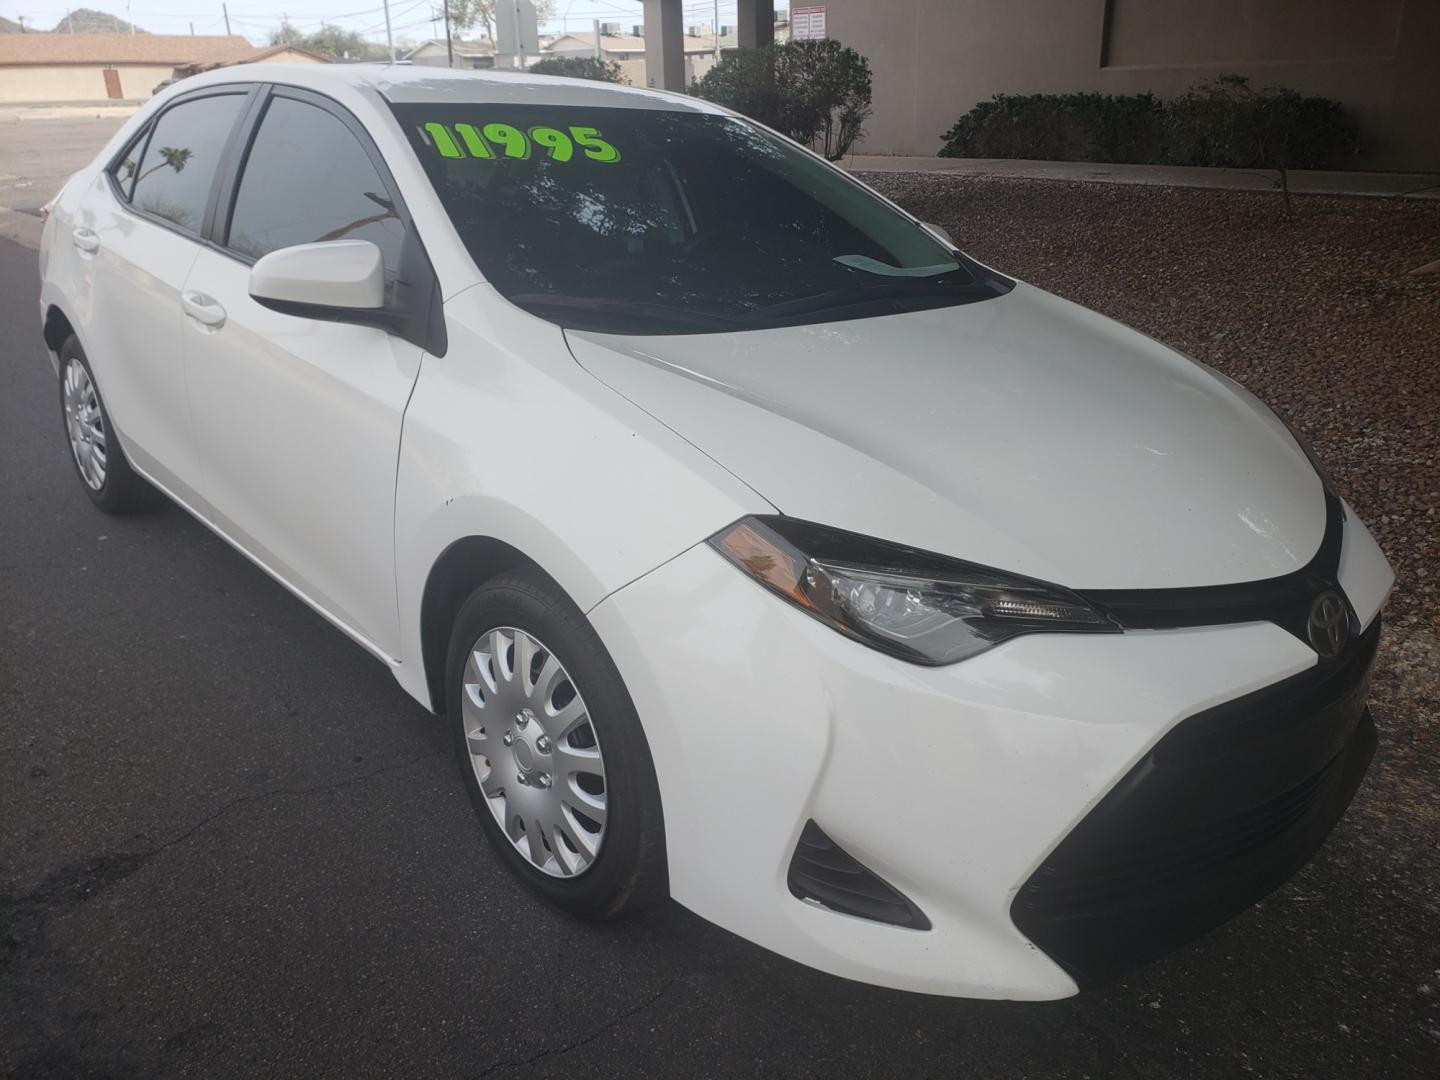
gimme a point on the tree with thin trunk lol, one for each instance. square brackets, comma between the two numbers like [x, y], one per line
[170, 157]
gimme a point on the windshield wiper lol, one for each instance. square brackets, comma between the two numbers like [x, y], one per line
[871, 293]
[611, 309]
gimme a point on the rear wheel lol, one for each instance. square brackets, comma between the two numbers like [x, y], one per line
[551, 750]
[99, 462]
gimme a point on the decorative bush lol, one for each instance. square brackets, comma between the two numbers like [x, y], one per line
[579, 67]
[1228, 123]
[816, 92]
[1223, 122]
[1061, 127]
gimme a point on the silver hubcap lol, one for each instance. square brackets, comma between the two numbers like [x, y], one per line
[85, 423]
[534, 752]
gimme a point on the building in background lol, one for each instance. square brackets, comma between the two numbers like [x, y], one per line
[932, 61]
[479, 53]
[36, 68]
[697, 45]
[628, 50]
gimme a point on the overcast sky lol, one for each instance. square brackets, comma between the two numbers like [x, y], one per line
[409, 18]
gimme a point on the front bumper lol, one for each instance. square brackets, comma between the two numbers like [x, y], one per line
[955, 785]
[1222, 810]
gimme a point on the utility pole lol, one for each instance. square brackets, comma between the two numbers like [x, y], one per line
[226, 10]
[715, 29]
[389, 41]
[449, 42]
[192, 29]
[598, 55]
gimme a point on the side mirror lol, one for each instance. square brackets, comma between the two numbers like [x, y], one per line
[335, 280]
[939, 232]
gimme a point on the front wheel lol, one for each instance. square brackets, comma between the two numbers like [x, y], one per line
[551, 750]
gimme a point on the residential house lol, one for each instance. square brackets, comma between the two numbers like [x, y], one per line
[94, 67]
[479, 53]
[628, 50]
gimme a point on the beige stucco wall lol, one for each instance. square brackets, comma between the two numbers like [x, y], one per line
[76, 82]
[934, 59]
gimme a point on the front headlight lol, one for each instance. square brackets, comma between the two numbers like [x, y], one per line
[921, 607]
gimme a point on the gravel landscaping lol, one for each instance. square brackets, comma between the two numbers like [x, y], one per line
[1324, 319]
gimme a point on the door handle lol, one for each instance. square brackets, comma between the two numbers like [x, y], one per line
[86, 239]
[203, 309]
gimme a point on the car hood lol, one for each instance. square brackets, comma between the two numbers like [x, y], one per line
[1023, 432]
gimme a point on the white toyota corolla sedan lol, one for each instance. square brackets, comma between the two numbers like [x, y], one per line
[760, 548]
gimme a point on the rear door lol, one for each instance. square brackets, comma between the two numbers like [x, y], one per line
[137, 233]
[297, 418]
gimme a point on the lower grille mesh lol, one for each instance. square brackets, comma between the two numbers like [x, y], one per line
[823, 872]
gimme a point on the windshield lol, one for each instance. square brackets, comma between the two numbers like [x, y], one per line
[627, 220]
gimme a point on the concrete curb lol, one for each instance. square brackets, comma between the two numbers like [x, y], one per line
[1424, 186]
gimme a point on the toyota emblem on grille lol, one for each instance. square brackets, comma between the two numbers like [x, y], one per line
[1329, 624]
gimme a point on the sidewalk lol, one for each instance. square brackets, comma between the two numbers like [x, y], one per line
[66, 110]
[1302, 182]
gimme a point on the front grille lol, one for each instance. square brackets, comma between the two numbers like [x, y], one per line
[1222, 810]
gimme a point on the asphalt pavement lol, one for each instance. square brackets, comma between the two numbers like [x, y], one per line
[230, 845]
[39, 150]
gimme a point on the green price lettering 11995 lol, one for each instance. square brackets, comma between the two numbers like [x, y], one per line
[500, 140]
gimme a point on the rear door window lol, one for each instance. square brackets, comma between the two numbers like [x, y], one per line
[175, 174]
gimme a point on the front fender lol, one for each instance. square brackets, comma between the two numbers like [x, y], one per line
[507, 437]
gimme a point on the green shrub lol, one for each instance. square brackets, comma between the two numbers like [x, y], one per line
[580, 67]
[1228, 123]
[1224, 122]
[816, 92]
[1061, 127]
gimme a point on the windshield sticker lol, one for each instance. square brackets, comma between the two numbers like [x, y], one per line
[875, 266]
[499, 140]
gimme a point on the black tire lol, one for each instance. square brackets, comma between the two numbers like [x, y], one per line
[122, 490]
[628, 873]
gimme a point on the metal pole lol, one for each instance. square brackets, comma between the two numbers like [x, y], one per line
[226, 10]
[598, 55]
[715, 29]
[519, 39]
[192, 29]
[449, 44]
[389, 41]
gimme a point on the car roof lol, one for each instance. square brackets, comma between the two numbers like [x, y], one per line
[406, 83]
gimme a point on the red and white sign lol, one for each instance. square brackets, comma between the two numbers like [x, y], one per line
[807, 24]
